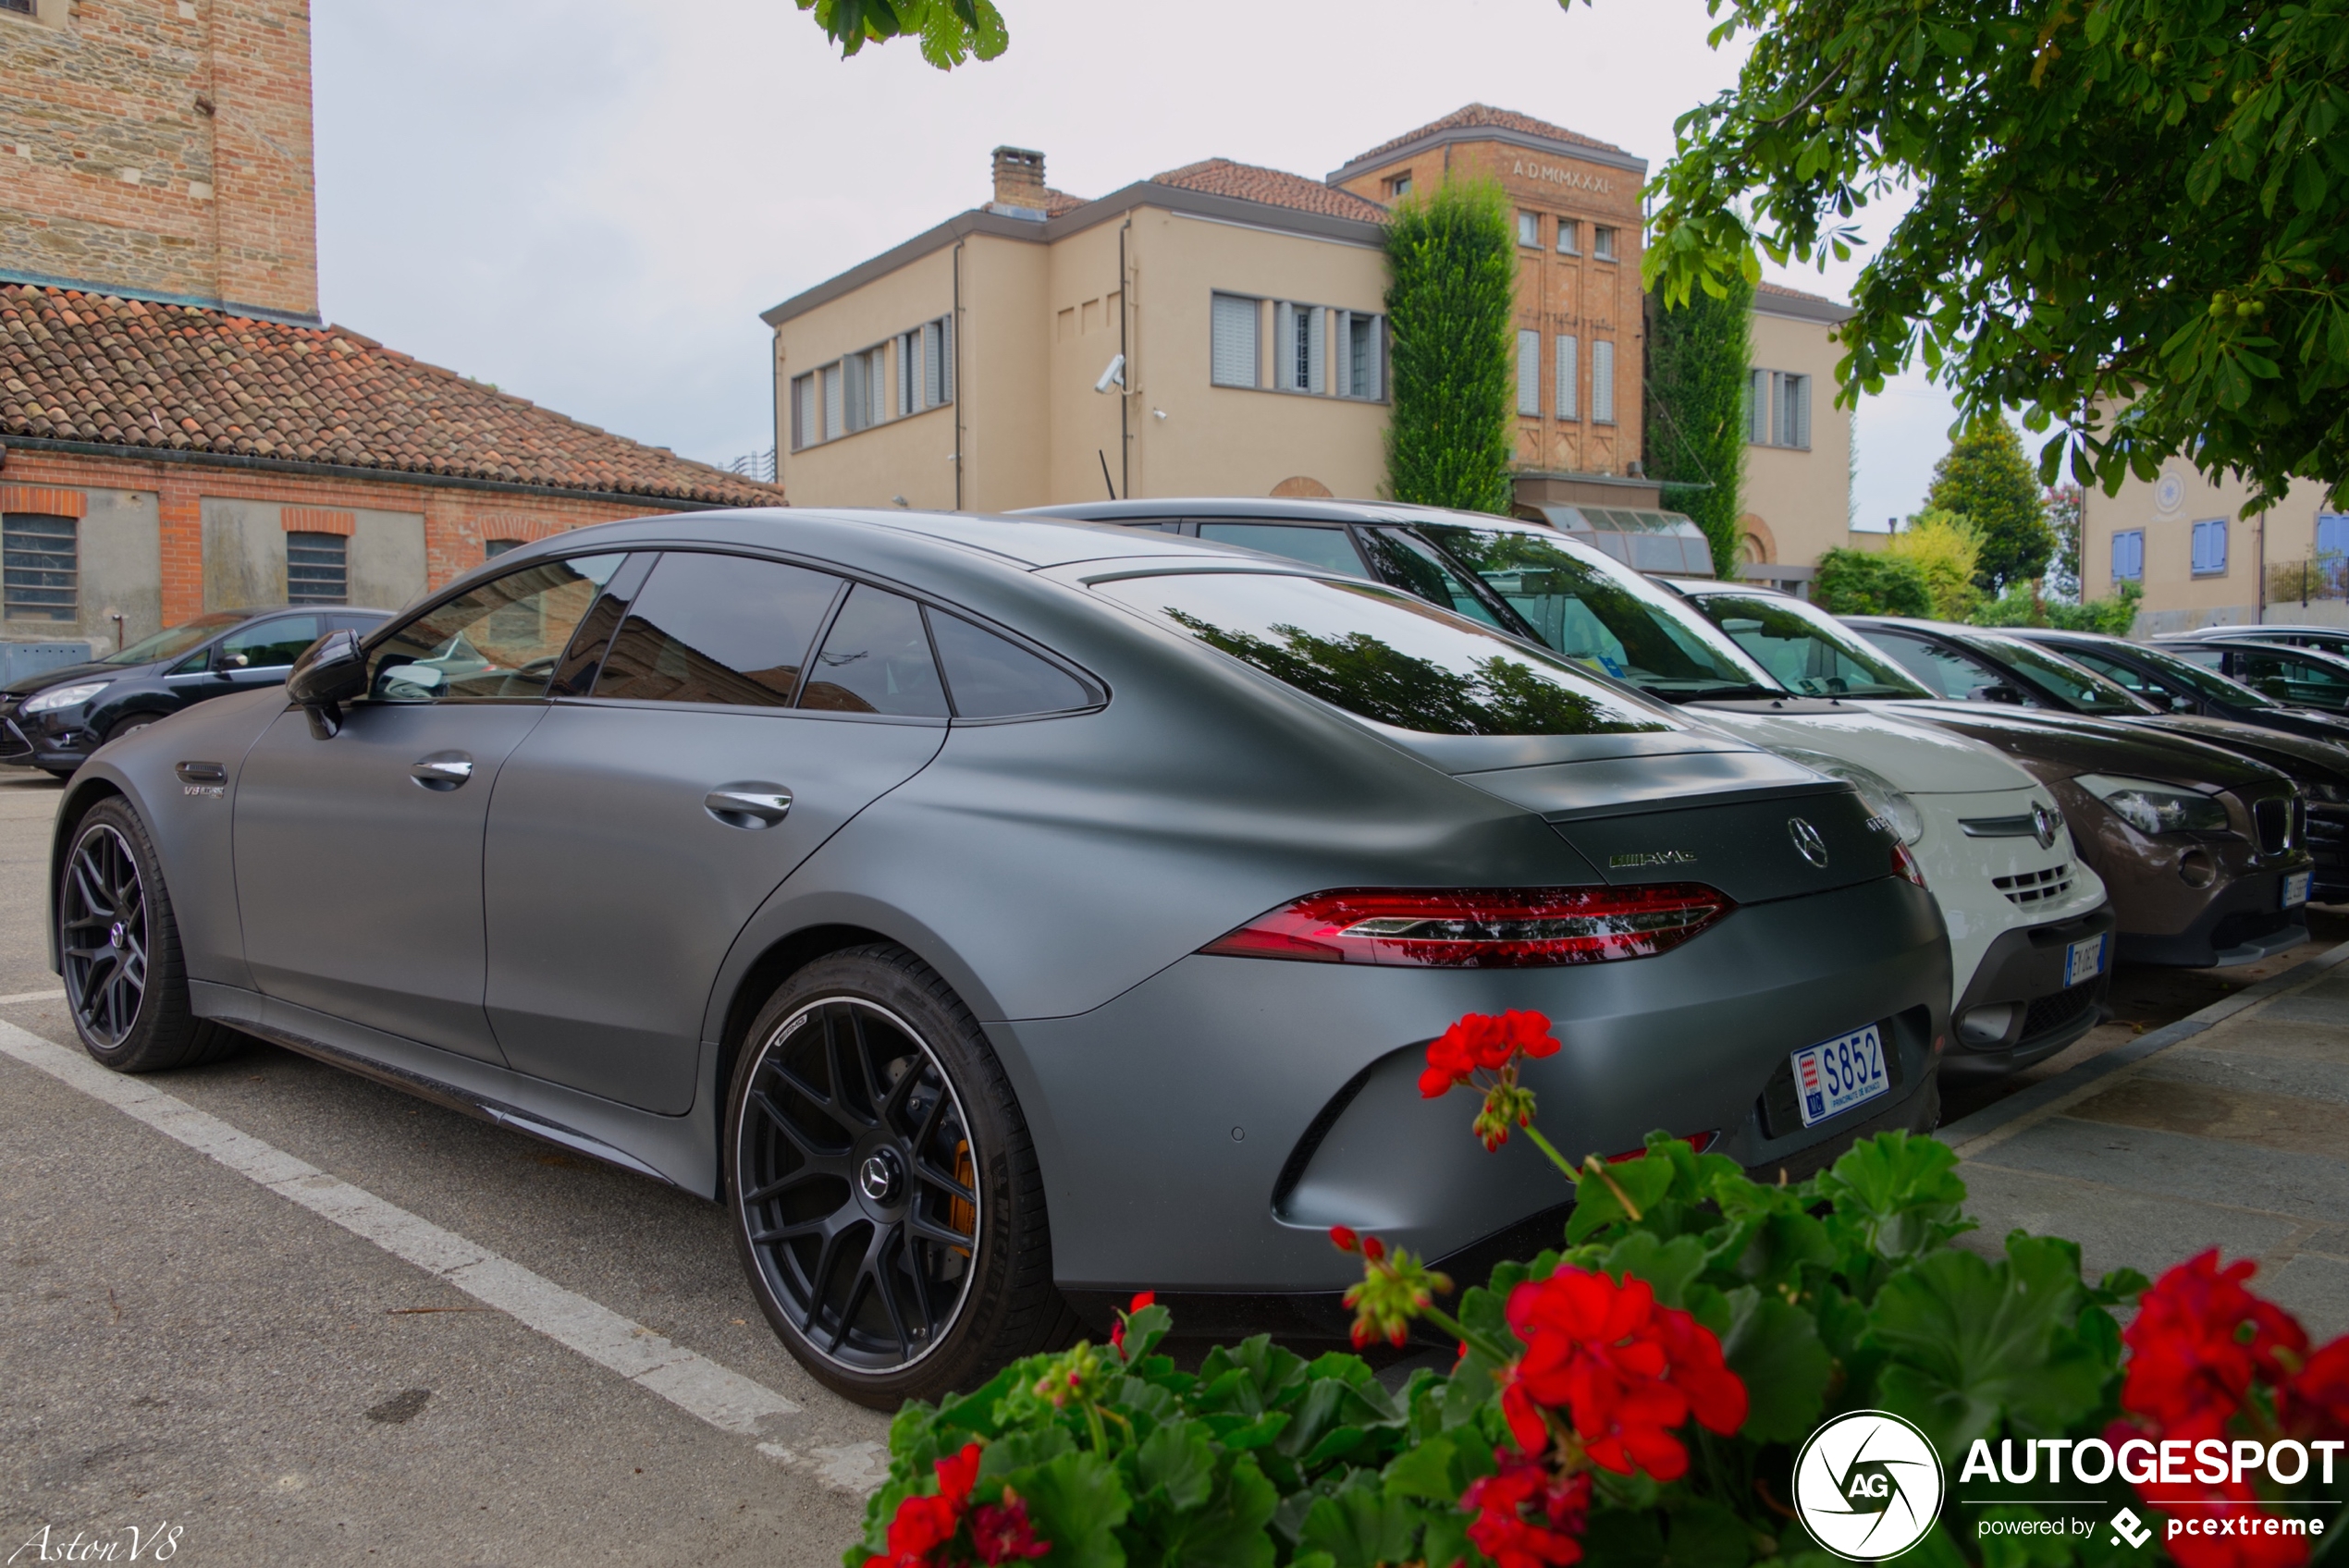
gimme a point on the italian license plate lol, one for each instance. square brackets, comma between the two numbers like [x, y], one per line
[2295, 888]
[2084, 959]
[1832, 1077]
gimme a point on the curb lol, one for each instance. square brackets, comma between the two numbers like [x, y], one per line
[1969, 1135]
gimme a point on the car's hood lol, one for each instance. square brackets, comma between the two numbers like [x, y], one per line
[2297, 755]
[2315, 723]
[2064, 744]
[1915, 757]
[63, 675]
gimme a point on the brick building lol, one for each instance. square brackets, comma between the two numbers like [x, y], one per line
[177, 427]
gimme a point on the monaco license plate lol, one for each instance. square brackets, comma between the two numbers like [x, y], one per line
[2295, 888]
[1835, 1076]
[2084, 959]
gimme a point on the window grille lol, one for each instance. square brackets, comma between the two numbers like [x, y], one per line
[317, 569]
[40, 558]
[1602, 381]
[1569, 376]
[1529, 371]
[1232, 326]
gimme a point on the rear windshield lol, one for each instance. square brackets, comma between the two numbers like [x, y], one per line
[1388, 656]
[2204, 683]
[1606, 616]
[2075, 683]
[1805, 648]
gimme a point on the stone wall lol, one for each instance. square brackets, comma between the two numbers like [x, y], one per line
[161, 147]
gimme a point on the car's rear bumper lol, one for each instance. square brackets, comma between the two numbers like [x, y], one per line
[1201, 1131]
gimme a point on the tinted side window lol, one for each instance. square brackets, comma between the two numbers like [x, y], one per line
[499, 639]
[1949, 673]
[1415, 568]
[2127, 675]
[267, 645]
[1325, 547]
[876, 660]
[990, 678]
[717, 629]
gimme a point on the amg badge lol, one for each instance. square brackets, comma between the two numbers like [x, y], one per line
[1635, 858]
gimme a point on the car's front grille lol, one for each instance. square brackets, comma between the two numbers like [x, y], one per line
[2029, 887]
[2051, 1014]
[2272, 820]
[13, 745]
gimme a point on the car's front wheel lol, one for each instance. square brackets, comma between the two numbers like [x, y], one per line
[885, 1194]
[125, 982]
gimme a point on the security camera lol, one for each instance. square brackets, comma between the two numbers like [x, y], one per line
[1114, 377]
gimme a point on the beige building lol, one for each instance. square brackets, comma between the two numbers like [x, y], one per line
[2182, 539]
[1219, 329]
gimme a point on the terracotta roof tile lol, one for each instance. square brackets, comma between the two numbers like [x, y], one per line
[1221, 176]
[1059, 202]
[1782, 289]
[127, 372]
[1483, 117]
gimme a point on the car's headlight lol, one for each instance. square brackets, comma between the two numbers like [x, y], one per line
[66, 696]
[1884, 798]
[2157, 808]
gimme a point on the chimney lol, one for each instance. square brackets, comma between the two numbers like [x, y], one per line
[1019, 179]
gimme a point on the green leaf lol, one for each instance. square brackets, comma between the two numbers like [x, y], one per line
[1362, 1527]
[1229, 1530]
[1076, 1503]
[1023, 1451]
[1668, 1267]
[1177, 1461]
[1774, 1346]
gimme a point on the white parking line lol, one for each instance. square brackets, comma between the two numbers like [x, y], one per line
[692, 1382]
[55, 994]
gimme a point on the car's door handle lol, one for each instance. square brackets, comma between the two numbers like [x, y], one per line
[749, 805]
[442, 770]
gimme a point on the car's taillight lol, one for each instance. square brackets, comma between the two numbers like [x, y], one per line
[1904, 864]
[1479, 927]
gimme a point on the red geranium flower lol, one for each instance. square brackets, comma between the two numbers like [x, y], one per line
[922, 1524]
[2198, 1341]
[1625, 1371]
[1502, 1532]
[1484, 1040]
[2316, 1402]
[1005, 1534]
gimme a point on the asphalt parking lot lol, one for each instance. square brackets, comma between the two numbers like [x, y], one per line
[304, 1318]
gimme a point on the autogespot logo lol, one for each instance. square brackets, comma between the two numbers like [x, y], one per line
[1867, 1486]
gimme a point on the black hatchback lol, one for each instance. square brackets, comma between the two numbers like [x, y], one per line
[53, 721]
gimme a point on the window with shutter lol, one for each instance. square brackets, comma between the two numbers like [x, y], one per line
[1316, 350]
[833, 410]
[1287, 351]
[2210, 548]
[1358, 336]
[907, 387]
[2332, 535]
[945, 360]
[1602, 381]
[1757, 407]
[1793, 411]
[1232, 352]
[805, 429]
[2129, 555]
[1529, 372]
[854, 393]
[1569, 377]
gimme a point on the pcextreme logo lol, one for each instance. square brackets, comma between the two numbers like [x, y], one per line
[1867, 1486]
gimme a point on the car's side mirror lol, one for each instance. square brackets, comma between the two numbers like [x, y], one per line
[329, 673]
[2182, 705]
[2010, 695]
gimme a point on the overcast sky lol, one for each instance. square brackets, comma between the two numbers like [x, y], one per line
[588, 203]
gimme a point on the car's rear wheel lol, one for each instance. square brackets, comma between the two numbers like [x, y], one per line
[125, 983]
[885, 1193]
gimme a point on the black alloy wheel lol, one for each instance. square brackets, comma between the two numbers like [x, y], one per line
[860, 1181]
[125, 985]
[884, 1193]
[103, 916]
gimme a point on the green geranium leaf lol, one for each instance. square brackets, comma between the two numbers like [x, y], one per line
[1706, 1534]
[1178, 1461]
[1670, 1267]
[1903, 1193]
[1228, 1531]
[1774, 1346]
[1362, 1527]
[1023, 1451]
[1077, 1503]
[1623, 1537]
[1971, 1343]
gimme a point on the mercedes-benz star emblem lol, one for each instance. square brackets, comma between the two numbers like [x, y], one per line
[2043, 824]
[878, 1175]
[1807, 843]
[115, 935]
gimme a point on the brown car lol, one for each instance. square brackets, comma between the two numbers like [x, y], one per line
[2201, 850]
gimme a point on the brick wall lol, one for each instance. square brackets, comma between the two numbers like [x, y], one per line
[458, 523]
[163, 147]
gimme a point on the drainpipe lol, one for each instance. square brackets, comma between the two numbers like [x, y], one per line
[958, 375]
[1125, 393]
[2260, 588]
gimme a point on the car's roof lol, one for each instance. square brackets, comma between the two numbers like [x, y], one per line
[1278, 507]
[2253, 634]
[254, 612]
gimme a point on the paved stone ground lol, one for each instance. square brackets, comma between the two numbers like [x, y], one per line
[2228, 1129]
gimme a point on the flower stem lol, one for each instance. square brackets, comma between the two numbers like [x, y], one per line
[1551, 1150]
[1475, 1339]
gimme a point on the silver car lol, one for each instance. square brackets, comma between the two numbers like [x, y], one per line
[1000, 916]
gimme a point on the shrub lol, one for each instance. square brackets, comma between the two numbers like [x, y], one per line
[2019, 607]
[1865, 583]
[1451, 300]
[1639, 1396]
[1945, 546]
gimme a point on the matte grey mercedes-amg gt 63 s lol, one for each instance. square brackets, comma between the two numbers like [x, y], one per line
[1001, 917]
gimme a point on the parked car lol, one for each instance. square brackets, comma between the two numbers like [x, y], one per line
[2200, 849]
[2331, 640]
[2312, 747]
[2301, 676]
[2038, 673]
[998, 915]
[53, 721]
[2030, 973]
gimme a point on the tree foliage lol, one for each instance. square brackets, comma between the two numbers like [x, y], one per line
[950, 30]
[1947, 549]
[1869, 583]
[1451, 302]
[1985, 478]
[1700, 354]
[2127, 216]
[2019, 607]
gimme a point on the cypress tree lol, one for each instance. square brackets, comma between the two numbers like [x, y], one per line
[1451, 300]
[1985, 478]
[1700, 358]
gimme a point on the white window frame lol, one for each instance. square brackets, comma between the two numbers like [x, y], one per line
[1603, 243]
[1778, 409]
[1568, 241]
[1529, 228]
